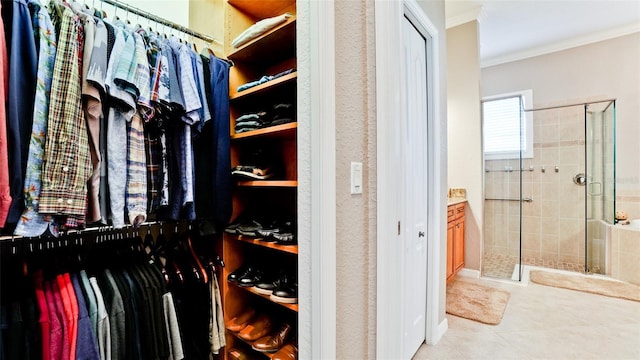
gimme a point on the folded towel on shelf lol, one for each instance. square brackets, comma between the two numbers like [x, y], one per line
[258, 29]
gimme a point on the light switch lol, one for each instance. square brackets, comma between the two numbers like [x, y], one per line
[356, 178]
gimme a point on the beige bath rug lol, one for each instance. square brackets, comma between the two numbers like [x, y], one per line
[476, 302]
[587, 284]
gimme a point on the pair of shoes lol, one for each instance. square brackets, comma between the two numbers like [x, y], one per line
[279, 231]
[273, 342]
[246, 276]
[252, 172]
[285, 290]
[239, 322]
[287, 352]
[260, 326]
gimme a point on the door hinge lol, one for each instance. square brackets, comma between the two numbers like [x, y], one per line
[398, 227]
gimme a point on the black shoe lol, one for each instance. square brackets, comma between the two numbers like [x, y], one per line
[286, 290]
[274, 227]
[286, 238]
[251, 277]
[268, 283]
[250, 228]
[238, 273]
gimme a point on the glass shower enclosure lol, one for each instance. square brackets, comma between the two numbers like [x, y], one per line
[550, 207]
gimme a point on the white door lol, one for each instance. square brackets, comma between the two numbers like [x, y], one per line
[414, 180]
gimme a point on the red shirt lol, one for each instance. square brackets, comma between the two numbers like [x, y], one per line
[56, 334]
[45, 328]
[74, 314]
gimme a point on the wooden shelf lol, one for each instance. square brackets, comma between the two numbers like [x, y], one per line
[273, 46]
[263, 9]
[292, 249]
[269, 183]
[265, 86]
[293, 307]
[284, 130]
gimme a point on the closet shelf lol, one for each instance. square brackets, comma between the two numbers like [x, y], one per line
[278, 131]
[292, 249]
[263, 9]
[273, 46]
[262, 88]
[293, 307]
[269, 183]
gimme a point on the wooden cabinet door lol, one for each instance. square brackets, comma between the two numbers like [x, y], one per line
[450, 241]
[458, 244]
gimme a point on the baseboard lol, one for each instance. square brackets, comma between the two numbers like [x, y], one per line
[470, 273]
[442, 328]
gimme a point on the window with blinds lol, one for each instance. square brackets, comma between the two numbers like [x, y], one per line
[507, 129]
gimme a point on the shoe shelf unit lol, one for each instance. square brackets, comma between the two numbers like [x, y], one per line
[292, 249]
[271, 53]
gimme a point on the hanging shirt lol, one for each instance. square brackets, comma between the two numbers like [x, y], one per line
[173, 329]
[104, 335]
[32, 223]
[90, 299]
[43, 308]
[93, 93]
[56, 335]
[87, 347]
[68, 165]
[5, 189]
[136, 193]
[220, 139]
[20, 98]
[119, 76]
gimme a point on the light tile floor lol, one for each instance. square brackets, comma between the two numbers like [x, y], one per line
[542, 322]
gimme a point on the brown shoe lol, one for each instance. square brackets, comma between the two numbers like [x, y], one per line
[256, 329]
[239, 322]
[273, 342]
[288, 352]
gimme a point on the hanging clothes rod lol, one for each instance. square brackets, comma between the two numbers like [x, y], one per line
[525, 199]
[137, 11]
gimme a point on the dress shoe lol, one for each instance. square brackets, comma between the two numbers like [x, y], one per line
[288, 352]
[238, 273]
[268, 283]
[273, 342]
[286, 290]
[242, 354]
[253, 276]
[256, 329]
[238, 323]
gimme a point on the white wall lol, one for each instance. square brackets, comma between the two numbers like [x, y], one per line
[465, 131]
[606, 69]
[173, 10]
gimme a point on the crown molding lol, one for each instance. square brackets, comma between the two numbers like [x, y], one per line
[464, 17]
[562, 45]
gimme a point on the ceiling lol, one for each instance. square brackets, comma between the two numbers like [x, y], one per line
[511, 30]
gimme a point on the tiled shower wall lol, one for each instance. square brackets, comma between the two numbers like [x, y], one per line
[553, 223]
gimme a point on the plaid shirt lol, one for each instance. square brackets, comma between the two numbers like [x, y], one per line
[136, 193]
[67, 164]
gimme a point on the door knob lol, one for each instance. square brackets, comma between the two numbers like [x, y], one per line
[420, 233]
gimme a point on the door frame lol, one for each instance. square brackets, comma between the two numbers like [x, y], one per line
[389, 92]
